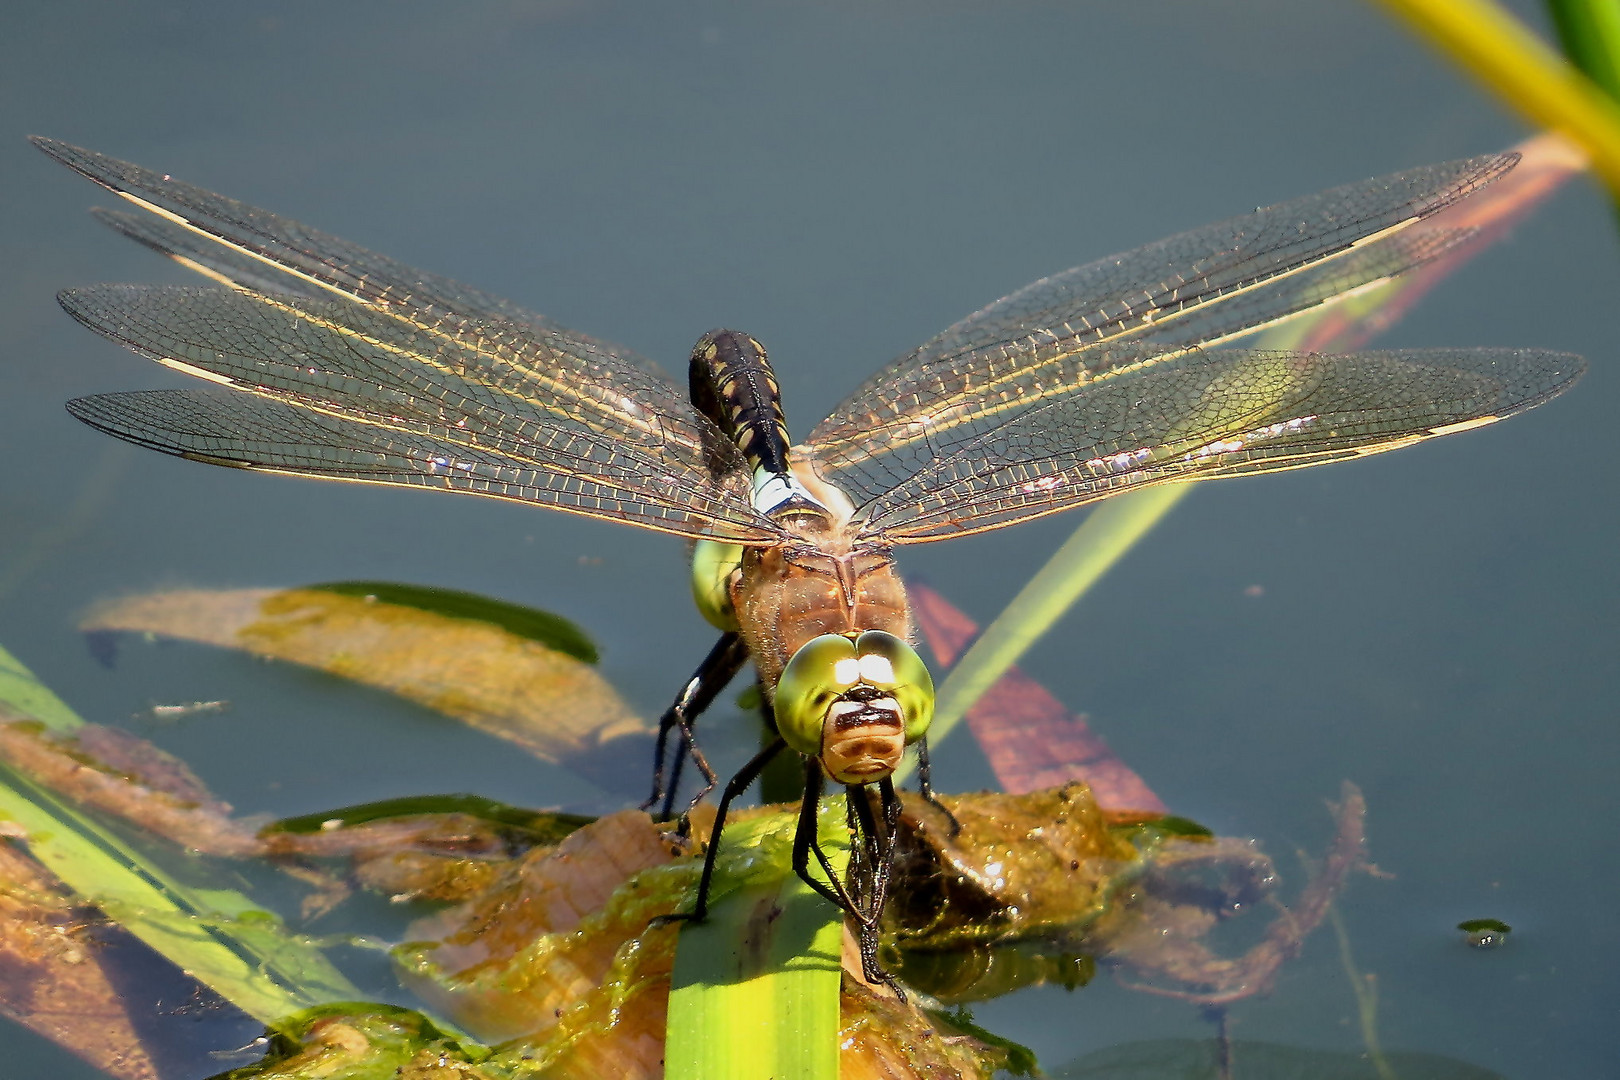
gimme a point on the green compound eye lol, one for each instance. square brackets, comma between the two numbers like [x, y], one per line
[828, 667]
[907, 681]
[713, 565]
[822, 670]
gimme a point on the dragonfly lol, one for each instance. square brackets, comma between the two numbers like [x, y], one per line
[328, 360]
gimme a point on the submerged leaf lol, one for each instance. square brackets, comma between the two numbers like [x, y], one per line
[553, 705]
[552, 631]
[1030, 739]
[53, 980]
[31, 698]
[367, 1042]
[543, 827]
[216, 936]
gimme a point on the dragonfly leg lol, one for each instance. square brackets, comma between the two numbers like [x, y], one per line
[870, 863]
[804, 843]
[717, 669]
[736, 786]
[872, 848]
[925, 787]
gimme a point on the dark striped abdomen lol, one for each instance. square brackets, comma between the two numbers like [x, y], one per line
[733, 385]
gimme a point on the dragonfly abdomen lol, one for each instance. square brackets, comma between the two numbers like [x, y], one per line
[732, 384]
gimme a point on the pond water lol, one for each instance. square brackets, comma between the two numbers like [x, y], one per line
[1437, 625]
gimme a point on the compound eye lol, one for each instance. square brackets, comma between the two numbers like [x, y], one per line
[822, 671]
[713, 567]
[894, 667]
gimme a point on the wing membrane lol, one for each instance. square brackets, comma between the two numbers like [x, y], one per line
[1201, 415]
[1197, 288]
[226, 265]
[225, 427]
[420, 396]
[319, 324]
[287, 249]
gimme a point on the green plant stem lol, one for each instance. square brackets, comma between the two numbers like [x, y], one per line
[755, 991]
[1365, 987]
[1589, 31]
[1108, 532]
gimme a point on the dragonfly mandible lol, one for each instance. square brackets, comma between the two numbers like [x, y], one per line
[331, 361]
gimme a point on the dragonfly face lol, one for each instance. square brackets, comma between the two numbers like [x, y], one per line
[854, 701]
[328, 360]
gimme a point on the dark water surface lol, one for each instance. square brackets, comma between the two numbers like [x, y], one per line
[1438, 625]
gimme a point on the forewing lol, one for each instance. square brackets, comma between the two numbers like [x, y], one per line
[1201, 415]
[1197, 288]
[213, 260]
[320, 324]
[233, 265]
[285, 248]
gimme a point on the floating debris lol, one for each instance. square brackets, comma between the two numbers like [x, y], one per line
[1485, 933]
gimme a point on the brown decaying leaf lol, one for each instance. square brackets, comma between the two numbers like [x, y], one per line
[50, 978]
[559, 959]
[141, 783]
[1010, 866]
[551, 704]
[1030, 739]
[550, 948]
[1044, 869]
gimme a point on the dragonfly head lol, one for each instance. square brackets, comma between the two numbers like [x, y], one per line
[855, 702]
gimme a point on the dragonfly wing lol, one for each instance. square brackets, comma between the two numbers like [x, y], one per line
[1202, 414]
[325, 326]
[225, 265]
[1201, 287]
[227, 427]
[285, 250]
[232, 266]
[464, 389]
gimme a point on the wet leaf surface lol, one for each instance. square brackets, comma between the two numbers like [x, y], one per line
[552, 631]
[505, 683]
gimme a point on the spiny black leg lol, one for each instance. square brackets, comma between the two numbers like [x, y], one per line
[925, 787]
[874, 846]
[866, 847]
[877, 845]
[891, 828]
[718, 668]
[804, 841]
[737, 785]
[925, 774]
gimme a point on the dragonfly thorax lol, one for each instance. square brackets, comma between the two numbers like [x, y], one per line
[787, 595]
